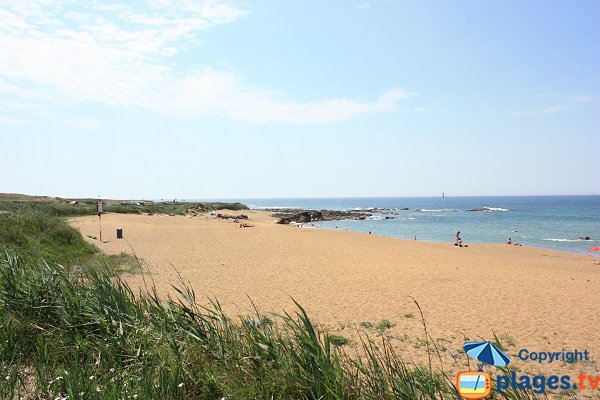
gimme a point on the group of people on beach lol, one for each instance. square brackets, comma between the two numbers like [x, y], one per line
[242, 225]
[459, 243]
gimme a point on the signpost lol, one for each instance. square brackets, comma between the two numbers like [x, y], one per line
[100, 210]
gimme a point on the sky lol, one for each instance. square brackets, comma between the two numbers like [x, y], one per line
[242, 99]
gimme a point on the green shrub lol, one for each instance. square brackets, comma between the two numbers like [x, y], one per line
[37, 235]
[338, 340]
[384, 324]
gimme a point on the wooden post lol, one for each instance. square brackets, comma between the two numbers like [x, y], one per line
[100, 210]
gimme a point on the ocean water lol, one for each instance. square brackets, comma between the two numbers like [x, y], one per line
[554, 222]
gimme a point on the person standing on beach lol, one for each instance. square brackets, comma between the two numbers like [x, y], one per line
[458, 239]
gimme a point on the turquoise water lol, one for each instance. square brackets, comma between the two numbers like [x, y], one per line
[554, 222]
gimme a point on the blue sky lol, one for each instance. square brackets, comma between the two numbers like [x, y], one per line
[210, 99]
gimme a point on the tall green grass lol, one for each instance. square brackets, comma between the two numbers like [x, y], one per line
[85, 334]
[38, 235]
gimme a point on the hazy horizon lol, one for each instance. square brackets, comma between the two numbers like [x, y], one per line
[195, 198]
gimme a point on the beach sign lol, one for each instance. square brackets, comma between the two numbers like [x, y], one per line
[100, 210]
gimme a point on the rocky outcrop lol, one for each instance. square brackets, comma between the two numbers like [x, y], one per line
[584, 238]
[228, 216]
[286, 216]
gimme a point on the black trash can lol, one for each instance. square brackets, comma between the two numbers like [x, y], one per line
[119, 233]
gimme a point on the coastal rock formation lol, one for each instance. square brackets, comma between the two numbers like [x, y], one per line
[227, 216]
[287, 216]
[584, 238]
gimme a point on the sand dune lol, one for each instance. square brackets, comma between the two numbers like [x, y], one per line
[543, 299]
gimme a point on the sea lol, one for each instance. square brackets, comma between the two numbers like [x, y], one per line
[554, 222]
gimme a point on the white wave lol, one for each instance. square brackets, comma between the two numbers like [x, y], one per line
[496, 209]
[569, 240]
[436, 210]
[273, 207]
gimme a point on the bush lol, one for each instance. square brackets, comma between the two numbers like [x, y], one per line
[37, 235]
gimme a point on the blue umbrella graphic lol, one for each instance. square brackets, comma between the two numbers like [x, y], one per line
[486, 353]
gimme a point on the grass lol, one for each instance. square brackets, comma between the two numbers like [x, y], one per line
[62, 207]
[38, 235]
[384, 324]
[179, 208]
[86, 335]
[338, 340]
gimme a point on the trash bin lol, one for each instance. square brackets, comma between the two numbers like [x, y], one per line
[119, 233]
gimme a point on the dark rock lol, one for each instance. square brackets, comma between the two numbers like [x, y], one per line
[287, 216]
[227, 216]
[584, 238]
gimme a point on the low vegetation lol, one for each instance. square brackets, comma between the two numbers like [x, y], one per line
[75, 207]
[37, 235]
[384, 324]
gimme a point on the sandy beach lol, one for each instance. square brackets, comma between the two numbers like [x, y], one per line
[538, 299]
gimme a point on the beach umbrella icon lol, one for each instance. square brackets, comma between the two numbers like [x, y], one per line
[486, 353]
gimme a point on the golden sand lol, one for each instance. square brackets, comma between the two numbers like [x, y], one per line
[544, 300]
